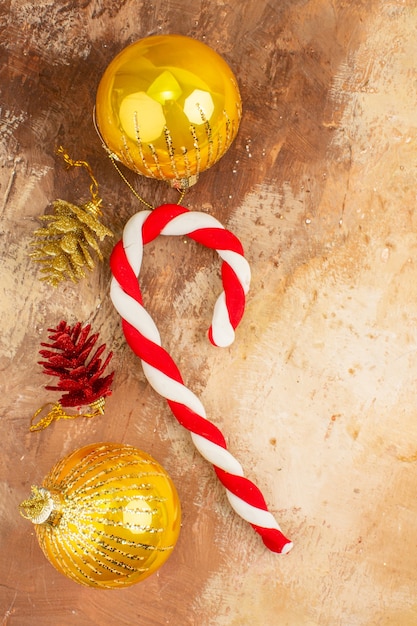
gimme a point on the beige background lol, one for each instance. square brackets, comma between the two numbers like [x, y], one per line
[320, 399]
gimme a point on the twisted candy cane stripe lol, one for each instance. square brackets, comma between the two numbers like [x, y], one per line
[159, 368]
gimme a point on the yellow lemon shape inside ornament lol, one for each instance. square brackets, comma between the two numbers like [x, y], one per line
[168, 107]
[107, 515]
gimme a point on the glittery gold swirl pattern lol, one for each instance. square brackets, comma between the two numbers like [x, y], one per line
[209, 134]
[119, 516]
[197, 149]
[228, 133]
[160, 174]
[127, 157]
[177, 167]
[140, 149]
[171, 152]
[184, 152]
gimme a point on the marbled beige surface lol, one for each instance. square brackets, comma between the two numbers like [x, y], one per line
[317, 395]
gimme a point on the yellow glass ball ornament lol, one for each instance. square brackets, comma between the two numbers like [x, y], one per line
[168, 107]
[107, 515]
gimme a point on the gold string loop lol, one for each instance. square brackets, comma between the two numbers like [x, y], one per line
[57, 412]
[78, 163]
[123, 177]
[182, 192]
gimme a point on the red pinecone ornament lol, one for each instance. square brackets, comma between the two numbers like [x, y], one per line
[67, 356]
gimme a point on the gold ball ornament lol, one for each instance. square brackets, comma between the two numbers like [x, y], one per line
[168, 107]
[107, 515]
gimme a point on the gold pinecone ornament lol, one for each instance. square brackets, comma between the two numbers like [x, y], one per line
[63, 246]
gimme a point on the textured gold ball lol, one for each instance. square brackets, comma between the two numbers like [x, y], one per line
[107, 515]
[168, 107]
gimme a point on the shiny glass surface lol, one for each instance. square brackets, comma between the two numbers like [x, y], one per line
[116, 518]
[168, 107]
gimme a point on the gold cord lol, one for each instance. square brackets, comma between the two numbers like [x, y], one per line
[123, 177]
[71, 163]
[57, 412]
[182, 192]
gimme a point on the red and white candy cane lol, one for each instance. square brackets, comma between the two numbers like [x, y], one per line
[159, 368]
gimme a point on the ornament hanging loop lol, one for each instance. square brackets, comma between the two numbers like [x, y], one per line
[181, 191]
[127, 183]
[96, 200]
[57, 412]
